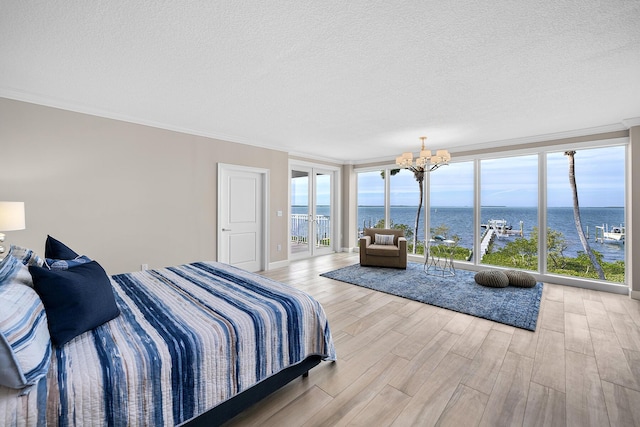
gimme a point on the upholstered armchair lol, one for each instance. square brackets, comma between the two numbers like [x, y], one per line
[388, 250]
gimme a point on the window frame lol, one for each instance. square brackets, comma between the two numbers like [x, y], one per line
[541, 150]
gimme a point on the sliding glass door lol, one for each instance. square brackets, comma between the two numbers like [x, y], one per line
[311, 227]
[300, 209]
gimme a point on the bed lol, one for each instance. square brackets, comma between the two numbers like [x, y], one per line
[193, 344]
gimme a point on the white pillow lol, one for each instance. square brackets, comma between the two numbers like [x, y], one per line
[25, 344]
[383, 239]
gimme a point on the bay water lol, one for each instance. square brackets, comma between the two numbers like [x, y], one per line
[460, 223]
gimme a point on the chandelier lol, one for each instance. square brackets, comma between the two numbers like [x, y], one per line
[426, 161]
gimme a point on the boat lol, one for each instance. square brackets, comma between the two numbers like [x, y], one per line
[502, 228]
[614, 235]
[497, 224]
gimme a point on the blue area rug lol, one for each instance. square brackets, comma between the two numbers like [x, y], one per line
[517, 307]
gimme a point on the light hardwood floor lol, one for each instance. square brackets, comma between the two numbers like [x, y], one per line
[404, 363]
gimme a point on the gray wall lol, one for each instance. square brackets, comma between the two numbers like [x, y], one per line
[121, 193]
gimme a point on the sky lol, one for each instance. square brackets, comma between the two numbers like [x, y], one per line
[511, 181]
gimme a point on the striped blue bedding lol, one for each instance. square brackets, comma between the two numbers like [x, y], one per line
[188, 338]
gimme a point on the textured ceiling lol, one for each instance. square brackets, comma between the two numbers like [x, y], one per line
[344, 80]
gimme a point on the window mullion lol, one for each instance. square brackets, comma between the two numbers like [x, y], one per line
[542, 213]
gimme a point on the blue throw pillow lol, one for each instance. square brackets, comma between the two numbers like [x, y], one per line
[57, 250]
[76, 300]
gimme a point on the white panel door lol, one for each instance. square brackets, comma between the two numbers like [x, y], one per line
[240, 220]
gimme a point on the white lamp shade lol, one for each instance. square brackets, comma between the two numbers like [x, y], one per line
[426, 161]
[444, 155]
[12, 216]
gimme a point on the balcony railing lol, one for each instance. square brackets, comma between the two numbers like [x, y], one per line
[300, 230]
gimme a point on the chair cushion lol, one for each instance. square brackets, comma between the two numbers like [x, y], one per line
[383, 250]
[492, 278]
[520, 279]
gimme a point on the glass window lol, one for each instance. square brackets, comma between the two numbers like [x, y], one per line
[509, 212]
[370, 200]
[451, 214]
[299, 211]
[323, 223]
[599, 214]
[407, 208]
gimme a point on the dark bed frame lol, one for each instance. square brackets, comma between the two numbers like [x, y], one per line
[238, 403]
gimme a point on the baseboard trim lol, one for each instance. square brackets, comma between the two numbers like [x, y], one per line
[278, 264]
[634, 294]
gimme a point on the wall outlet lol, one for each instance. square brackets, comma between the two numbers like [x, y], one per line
[144, 267]
[279, 247]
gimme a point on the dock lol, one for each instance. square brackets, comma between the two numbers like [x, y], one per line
[487, 239]
[502, 228]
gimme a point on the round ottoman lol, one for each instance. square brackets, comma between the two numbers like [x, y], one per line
[492, 278]
[520, 279]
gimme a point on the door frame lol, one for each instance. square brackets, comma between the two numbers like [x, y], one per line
[264, 259]
[312, 168]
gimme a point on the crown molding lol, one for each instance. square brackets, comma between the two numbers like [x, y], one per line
[106, 114]
[375, 161]
[629, 123]
[515, 142]
[84, 109]
[541, 138]
[298, 155]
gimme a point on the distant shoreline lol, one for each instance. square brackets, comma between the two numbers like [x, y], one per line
[489, 206]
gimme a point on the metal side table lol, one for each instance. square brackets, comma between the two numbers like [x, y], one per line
[439, 259]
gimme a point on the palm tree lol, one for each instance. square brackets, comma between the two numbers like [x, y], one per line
[418, 174]
[576, 216]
